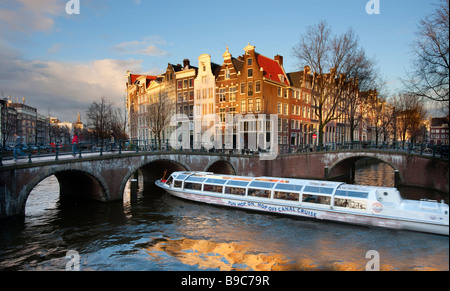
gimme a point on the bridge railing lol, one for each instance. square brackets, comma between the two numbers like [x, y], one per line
[57, 151]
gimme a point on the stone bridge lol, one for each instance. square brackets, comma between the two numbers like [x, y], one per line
[103, 178]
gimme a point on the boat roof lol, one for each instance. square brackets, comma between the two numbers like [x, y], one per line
[315, 186]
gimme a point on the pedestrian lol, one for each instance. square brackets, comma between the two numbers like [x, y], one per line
[74, 144]
[113, 141]
[17, 147]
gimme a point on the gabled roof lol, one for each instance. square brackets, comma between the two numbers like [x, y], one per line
[238, 64]
[148, 78]
[296, 78]
[272, 69]
[215, 69]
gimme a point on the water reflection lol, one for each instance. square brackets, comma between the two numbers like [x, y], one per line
[161, 232]
[376, 173]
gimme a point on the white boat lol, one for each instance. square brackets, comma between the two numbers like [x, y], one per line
[334, 201]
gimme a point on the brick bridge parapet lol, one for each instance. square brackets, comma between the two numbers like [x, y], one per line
[104, 178]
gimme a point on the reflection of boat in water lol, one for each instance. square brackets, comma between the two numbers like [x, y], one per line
[335, 201]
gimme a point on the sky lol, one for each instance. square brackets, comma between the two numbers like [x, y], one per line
[62, 62]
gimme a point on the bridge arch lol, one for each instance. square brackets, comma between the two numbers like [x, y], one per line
[221, 167]
[73, 184]
[345, 166]
[153, 170]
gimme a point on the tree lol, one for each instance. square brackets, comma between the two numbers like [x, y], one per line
[409, 112]
[160, 110]
[99, 117]
[429, 77]
[333, 59]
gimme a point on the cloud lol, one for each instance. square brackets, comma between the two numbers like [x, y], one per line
[27, 16]
[148, 46]
[64, 88]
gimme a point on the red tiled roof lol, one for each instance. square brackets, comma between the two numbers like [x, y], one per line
[147, 77]
[272, 69]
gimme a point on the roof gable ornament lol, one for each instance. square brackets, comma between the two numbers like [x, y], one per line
[227, 54]
[249, 48]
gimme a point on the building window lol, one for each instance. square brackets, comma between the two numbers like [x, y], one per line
[222, 114]
[279, 108]
[232, 111]
[249, 61]
[191, 83]
[242, 88]
[222, 95]
[258, 105]
[280, 92]
[258, 86]
[285, 109]
[232, 93]
[210, 92]
[250, 73]
[250, 89]
[243, 106]
[180, 84]
[250, 105]
[227, 73]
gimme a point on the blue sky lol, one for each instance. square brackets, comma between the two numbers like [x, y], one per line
[62, 63]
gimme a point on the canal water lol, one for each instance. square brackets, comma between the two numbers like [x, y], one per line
[160, 232]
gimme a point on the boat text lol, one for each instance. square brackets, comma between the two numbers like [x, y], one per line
[273, 208]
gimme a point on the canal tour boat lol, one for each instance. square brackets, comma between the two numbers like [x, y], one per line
[325, 200]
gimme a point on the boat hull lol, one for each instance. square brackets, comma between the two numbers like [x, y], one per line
[308, 212]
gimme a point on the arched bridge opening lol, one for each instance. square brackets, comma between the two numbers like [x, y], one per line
[347, 170]
[221, 167]
[75, 186]
[149, 173]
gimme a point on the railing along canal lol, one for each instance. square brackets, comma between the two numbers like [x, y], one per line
[58, 150]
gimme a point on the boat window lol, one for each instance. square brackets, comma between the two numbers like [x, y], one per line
[350, 203]
[235, 191]
[182, 177]
[317, 189]
[291, 196]
[262, 184]
[212, 188]
[354, 194]
[216, 181]
[318, 199]
[177, 184]
[289, 187]
[192, 186]
[195, 179]
[258, 193]
[237, 183]
[169, 181]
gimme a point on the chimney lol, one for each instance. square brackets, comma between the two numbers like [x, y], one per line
[279, 59]
[186, 63]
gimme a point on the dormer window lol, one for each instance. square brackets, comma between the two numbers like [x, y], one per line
[281, 78]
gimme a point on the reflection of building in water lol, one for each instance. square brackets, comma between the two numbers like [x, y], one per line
[222, 256]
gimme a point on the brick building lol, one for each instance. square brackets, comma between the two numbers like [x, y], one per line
[439, 131]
